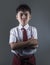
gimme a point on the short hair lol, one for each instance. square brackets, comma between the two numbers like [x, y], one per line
[23, 7]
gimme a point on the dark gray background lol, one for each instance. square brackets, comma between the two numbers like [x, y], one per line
[40, 19]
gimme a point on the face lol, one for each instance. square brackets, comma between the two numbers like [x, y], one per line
[23, 17]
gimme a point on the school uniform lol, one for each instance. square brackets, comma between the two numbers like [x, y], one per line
[17, 35]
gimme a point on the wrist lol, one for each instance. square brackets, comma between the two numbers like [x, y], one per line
[27, 42]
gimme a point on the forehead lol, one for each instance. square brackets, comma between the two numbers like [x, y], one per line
[24, 12]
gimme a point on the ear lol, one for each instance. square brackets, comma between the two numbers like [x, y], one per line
[30, 17]
[16, 17]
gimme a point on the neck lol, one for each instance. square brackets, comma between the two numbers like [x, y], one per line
[23, 25]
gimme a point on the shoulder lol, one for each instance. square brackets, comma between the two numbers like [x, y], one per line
[33, 28]
[13, 29]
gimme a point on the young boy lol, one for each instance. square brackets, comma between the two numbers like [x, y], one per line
[23, 38]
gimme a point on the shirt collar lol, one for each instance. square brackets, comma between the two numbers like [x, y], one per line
[26, 26]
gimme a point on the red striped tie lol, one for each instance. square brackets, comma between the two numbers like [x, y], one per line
[24, 34]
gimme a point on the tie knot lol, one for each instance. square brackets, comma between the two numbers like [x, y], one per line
[23, 29]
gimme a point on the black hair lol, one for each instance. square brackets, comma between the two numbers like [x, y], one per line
[23, 7]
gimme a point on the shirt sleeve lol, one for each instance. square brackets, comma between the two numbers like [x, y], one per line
[34, 33]
[12, 37]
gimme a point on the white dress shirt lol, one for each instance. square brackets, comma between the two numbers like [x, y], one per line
[16, 35]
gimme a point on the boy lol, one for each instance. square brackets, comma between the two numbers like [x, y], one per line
[23, 38]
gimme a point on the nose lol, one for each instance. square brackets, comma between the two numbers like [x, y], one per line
[23, 16]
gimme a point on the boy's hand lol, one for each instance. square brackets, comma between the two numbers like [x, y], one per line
[33, 41]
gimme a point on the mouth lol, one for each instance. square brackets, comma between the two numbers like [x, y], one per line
[23, 19]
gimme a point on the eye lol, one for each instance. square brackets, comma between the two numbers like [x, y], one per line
[25, 14]
[21, 14]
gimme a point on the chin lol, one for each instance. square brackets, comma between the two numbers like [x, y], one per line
[23, 24]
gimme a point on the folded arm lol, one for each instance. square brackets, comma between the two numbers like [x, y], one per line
[30, 43]
[33, 43]
[19, 45]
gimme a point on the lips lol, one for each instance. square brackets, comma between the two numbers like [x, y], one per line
[23, 19]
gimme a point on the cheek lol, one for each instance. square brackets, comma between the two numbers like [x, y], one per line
[19, 17]
[28, 18]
